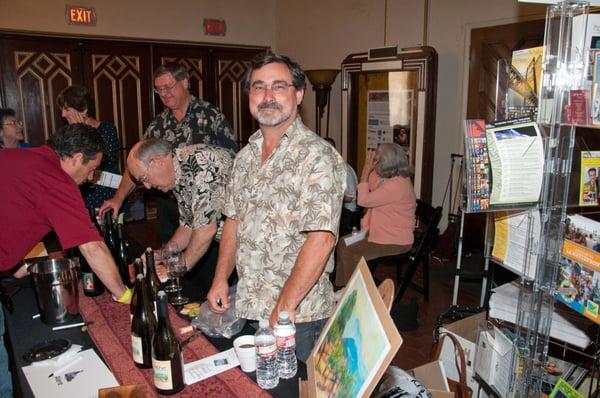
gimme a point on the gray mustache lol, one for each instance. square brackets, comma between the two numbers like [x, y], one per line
[269, 105]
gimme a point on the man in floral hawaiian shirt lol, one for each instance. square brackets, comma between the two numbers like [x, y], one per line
[197, 174]
[283, 204]
[186, 120]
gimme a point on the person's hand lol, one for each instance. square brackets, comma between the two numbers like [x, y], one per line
[275, 315]
[369, 166]
[218, 297]
[22, 271]
[113, 203]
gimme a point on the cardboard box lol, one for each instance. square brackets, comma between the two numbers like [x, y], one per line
[466, 331]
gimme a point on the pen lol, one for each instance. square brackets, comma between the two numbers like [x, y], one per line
[65, 367]
[73, 325]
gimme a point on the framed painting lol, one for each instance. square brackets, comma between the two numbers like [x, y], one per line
[356, 345]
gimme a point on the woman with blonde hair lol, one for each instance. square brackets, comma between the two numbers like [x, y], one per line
[386, 191]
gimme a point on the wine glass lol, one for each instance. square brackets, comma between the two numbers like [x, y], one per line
[169, 252]
[176, 268]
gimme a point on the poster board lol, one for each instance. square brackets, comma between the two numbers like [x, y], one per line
[339, 365]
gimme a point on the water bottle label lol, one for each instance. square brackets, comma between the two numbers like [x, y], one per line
[266, 351]
[136, 349]
[88, 280]
[163, 379]
[286, 341]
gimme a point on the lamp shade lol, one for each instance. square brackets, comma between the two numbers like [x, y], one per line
[322, 77]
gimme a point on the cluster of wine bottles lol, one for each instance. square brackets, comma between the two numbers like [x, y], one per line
[119, 248]
[153, 342]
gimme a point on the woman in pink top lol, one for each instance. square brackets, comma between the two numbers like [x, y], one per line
[386, 191]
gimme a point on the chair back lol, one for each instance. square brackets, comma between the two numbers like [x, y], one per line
[428, 220]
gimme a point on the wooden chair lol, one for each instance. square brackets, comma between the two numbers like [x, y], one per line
[426, 232]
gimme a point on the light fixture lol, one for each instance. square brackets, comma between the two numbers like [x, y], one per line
[321, 81]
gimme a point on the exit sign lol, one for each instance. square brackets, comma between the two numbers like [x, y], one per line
[81, 15]
[214, 27]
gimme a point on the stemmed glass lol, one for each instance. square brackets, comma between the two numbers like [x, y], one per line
[176, 268]
[169, 253]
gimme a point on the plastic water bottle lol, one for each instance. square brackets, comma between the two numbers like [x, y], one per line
[285, 333]
[267, 376]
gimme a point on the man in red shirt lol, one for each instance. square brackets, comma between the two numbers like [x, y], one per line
[39, 192]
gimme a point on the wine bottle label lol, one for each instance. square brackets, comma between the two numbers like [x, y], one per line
[136, 349]
[266, 351]
[88, 280]
[286, 341]
[163, 378]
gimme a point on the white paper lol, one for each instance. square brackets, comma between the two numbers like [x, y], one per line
[357, 237]
[493, 360]
[82, 380]
[210, 366]
[517, 158]
[109, 180]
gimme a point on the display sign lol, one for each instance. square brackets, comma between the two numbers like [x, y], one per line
[81, 15]
[214, 27]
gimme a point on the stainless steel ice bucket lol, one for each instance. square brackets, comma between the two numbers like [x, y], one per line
[55, 283]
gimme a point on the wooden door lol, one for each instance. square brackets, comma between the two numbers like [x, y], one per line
[118, 76]
[34, 71]
[488, 46]
[228, 72]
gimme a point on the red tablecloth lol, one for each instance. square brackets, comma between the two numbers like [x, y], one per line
[111, 334]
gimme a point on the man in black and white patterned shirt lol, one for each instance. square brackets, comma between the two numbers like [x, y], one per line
[197, 174]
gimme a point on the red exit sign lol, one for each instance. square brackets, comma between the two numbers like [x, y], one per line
[214, 27]
[81, 15]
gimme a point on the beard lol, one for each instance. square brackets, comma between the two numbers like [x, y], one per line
[271, 114]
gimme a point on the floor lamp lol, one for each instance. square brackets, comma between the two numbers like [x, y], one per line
[321, 81]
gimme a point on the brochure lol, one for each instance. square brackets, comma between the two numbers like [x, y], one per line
[588, 186]
[516, 155]
[478, 166]
[579, 275]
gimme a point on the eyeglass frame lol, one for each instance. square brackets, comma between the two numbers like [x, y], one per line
[144, 178]
[165, 89]
[15, 123]
[260, 87]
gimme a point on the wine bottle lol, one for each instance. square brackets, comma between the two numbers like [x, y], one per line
[151, 276]
[92, 213]
[138, 270]
[122, 258]
[143, 326]
[109, 232]
[167, 361]
[92, 285]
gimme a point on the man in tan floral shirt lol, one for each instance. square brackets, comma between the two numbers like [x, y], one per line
[197, 174]
[283, 204]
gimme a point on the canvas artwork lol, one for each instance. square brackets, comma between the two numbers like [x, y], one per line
[357, 343]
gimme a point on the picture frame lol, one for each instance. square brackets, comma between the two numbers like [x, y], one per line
[339, 365]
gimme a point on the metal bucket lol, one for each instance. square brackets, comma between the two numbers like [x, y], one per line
[56, 288]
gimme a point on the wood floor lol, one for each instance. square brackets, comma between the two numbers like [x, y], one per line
[417, 344]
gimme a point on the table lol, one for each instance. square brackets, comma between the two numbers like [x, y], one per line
[22, 332]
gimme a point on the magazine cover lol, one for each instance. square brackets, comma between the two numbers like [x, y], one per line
[579, 277]
[588, 185]
[477, 165]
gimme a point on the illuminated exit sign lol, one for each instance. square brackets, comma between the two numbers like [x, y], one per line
[81, 16]
[214, 27]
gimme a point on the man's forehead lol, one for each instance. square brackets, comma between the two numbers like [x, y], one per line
[271, 72]
[165, 77]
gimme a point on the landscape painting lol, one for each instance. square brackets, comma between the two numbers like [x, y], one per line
[355, 346]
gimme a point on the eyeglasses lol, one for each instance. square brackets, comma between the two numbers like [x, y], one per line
[144, 179]
[15, 123]
[165, 89]
[276, 88]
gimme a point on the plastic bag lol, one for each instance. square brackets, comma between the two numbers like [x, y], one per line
[219, 325]
[396, 383]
